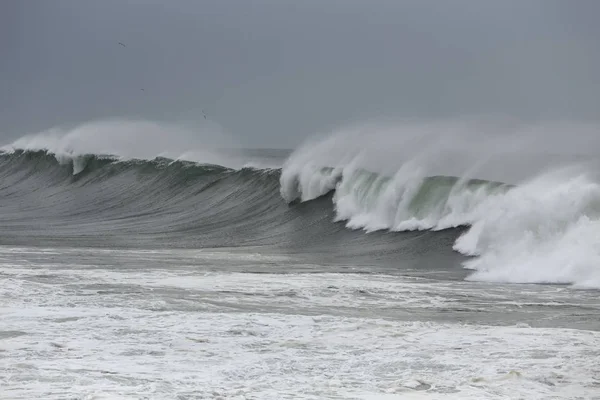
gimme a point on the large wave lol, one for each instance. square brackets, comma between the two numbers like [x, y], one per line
[521, 215]
[544, 228]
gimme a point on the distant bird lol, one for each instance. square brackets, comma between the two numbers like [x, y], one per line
[122, 44]
[142, 90]
[204, 114]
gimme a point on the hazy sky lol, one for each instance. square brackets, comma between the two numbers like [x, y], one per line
[274, 71]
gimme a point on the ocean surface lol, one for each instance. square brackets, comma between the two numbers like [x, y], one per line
[270, 276]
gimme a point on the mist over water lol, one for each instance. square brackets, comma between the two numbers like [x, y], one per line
[494, 149]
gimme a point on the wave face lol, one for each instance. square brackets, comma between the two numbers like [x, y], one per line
[105, 201]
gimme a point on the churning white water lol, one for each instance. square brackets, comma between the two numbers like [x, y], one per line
[108, 324]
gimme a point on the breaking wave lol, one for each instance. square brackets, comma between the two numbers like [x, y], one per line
[543, 229]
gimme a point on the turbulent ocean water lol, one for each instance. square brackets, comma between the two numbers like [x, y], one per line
[277, 275]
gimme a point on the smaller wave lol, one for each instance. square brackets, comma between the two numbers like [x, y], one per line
[85, 164]
[131, 139]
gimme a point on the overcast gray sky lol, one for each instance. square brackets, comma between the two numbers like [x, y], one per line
[274, 71]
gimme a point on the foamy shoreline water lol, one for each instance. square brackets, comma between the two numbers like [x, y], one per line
[175, 329]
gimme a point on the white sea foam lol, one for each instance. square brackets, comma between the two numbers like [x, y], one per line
[173, 329]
